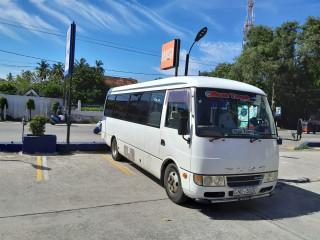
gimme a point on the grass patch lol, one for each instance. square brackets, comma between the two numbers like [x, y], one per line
[302, 148]
[98, 109]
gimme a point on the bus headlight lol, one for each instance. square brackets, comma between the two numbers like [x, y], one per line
[209, 181]
[270, 177]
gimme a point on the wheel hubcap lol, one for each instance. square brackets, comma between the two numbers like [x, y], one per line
[173, 182]
[114, 148]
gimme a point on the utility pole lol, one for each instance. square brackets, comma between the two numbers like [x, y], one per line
[272, 97]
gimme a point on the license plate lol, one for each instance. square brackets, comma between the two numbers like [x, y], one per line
[246, 191]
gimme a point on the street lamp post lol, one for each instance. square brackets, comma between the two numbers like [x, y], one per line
[200, 35]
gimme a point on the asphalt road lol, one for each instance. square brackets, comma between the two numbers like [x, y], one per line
[86, 196]
[12, 131]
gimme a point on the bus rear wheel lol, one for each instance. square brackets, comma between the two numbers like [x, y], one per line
[114, 150]
[172, 184]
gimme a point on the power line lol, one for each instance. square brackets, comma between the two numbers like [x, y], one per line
[17, 66]
[19, 54]
[97, 42]
[32, 29]
[31, 25]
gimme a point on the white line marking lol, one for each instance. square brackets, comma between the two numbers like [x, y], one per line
[44, 165]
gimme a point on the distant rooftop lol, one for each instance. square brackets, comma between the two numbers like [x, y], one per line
[117, 81]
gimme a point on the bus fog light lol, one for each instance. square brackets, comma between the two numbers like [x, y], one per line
[215, 181]
[270, 177]
[197, 179]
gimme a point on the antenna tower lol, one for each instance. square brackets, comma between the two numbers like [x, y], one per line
[249, 21]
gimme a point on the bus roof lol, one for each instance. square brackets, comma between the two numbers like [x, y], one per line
[187, 81]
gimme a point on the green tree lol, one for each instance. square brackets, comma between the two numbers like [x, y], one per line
[56, 73]
[23, 82]
[42, 70]
[8, 88]
[99, 67]
[53, 90]
[30, 105]
[88, 84]
[10, 78]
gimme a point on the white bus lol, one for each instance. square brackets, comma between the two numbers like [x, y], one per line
[205, 138]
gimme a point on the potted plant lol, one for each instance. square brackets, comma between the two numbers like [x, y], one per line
[38, 141]
[30, 105]
[3, 102]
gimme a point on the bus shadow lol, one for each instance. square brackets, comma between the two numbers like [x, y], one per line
[141, 170]
[289, 201]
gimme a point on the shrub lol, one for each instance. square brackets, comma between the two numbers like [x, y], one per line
[3, 102]
[37, 125]
[55, 106]
[30, 105]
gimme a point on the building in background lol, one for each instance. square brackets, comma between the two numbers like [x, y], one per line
[117, 81]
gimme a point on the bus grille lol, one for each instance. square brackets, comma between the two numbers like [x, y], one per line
[244, 180]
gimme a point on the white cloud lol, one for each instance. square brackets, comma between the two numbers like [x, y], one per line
[165, 25]
[218, 52]
[43, 6]
[10, 10]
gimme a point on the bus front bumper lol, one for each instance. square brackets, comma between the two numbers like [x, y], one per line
[235, 199]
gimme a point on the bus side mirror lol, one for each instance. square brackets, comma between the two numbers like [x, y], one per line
[183, 126]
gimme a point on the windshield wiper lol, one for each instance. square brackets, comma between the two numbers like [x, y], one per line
[254, 139]
[215, 138]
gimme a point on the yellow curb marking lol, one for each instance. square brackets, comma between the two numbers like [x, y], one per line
[39, 169]
[126, 171]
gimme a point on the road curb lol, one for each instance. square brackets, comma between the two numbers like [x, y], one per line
[60, 147]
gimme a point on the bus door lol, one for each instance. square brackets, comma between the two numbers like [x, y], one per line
[173, 146]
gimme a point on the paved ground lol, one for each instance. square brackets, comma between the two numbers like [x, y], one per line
[12, 131]
[86, 196]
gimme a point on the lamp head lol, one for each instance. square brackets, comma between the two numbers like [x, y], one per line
[201, 34]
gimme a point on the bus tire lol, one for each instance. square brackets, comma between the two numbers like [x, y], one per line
[172, 184]
[114, 150]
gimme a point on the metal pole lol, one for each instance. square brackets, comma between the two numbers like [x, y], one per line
[187, 65]
[69, 111]
[272, 97]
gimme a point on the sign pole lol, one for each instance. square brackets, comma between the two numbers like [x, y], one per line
[68, 70]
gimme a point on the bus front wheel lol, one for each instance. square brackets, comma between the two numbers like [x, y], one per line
[114, 150]
[172, 184]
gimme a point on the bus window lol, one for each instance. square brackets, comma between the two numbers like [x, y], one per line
[121, 106]
[155, 111]
[109, 106]
[139, 107]
[178, 106]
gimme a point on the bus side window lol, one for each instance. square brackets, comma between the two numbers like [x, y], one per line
[121, 106]
[156, 104]
[178, 106]
[109, 106]
[139, 107]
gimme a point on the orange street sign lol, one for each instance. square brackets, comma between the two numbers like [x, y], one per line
[168, 55]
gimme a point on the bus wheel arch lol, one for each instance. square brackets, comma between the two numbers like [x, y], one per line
[163, 169]
[172, 183]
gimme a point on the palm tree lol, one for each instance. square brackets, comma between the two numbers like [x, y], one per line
[43, 70]
[56, 72]
[99, 67]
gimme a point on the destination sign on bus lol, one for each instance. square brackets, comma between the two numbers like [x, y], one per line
[213, 94]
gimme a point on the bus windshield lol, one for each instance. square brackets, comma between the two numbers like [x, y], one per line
[229, 113]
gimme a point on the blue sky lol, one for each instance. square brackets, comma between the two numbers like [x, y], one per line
[118, 32]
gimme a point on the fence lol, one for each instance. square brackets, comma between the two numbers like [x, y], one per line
[17, 106]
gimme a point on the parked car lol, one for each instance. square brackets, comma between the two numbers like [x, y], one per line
[313, 126]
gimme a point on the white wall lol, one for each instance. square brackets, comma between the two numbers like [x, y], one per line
[17, 105]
